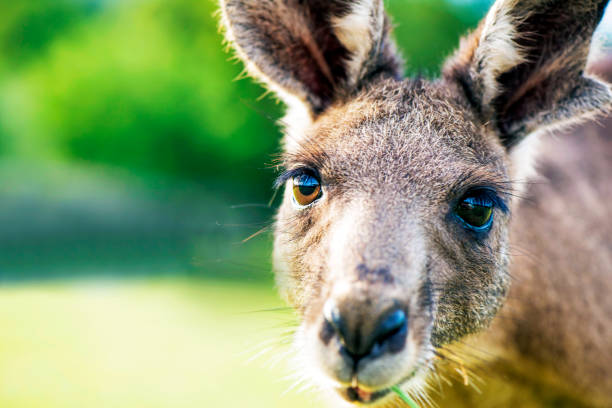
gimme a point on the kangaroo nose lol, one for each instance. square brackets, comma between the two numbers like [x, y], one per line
[366, 336]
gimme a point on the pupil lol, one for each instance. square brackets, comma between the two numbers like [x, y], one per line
[307, 185]
[307, 189]
[475, 212]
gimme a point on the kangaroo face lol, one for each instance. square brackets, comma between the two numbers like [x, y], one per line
[381, 264]
[391, 240]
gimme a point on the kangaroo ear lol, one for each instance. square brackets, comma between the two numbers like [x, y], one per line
[523, 67]
[315, 50]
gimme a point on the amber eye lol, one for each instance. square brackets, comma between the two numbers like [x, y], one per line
[306, 189]
[476, 211]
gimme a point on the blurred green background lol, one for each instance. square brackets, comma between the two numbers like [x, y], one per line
[133, 165]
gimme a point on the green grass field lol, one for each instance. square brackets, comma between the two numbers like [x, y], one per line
[142, 343]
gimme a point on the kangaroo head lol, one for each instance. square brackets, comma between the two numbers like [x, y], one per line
[392, 238]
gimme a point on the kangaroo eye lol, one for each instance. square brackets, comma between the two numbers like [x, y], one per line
[306, 189]
[476, 210]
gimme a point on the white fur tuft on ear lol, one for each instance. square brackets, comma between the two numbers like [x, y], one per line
[295, 123]
[361, 32]
[523, 161]
[498, 51]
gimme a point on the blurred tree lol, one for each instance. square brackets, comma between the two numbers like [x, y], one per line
[28, 27]
[147, 86]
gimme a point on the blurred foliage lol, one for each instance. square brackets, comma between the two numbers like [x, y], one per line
[29, 27]
[144, 85]
[428, 30]
[147, 85]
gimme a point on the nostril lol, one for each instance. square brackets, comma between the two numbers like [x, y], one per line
[394, 322]
[335, 325]
[391, 331]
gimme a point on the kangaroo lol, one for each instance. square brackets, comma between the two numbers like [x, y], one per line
[417, 242]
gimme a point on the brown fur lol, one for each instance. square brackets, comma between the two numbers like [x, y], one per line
[396, 156]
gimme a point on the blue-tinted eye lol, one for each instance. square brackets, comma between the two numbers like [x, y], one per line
[306, 189]
[476, 211]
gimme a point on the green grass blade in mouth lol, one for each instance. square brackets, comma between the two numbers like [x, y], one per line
[405, 397]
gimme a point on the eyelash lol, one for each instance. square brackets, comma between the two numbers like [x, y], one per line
[490, 194]
[289, 174]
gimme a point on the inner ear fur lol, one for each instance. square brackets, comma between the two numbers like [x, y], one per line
[523, 68]
[312, 50]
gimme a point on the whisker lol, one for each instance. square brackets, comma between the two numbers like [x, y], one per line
[249, 205]
[261, 231]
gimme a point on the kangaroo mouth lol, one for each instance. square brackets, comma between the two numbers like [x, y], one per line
[358, 395]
